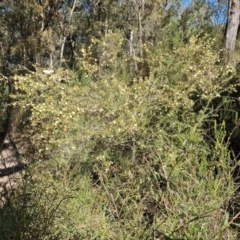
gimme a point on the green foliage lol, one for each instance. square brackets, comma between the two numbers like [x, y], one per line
[4, 100]
[116, 156]
[131, 161]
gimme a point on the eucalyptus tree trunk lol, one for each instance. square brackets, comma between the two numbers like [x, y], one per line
[65, 30]
[140, 27]
[232, 25]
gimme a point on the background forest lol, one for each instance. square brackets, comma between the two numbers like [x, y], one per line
[123, 116]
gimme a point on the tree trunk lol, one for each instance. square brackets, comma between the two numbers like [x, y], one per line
[140, 28]
[232, 25]
[65, 30]
[62, 49]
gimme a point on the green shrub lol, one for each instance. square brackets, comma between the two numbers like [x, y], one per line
[4, 100]
[135, 157]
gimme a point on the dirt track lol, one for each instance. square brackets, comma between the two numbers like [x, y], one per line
[9, 169]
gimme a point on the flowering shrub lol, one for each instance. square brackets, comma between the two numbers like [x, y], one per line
[142, 144]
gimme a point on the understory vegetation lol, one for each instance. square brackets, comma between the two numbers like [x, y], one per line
[121, 158]
[130, 128]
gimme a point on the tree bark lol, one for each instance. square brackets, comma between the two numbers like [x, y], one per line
[65, 29]
[140, 27]
[232, 25]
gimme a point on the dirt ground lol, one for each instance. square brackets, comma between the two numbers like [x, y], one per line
[10, 169]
